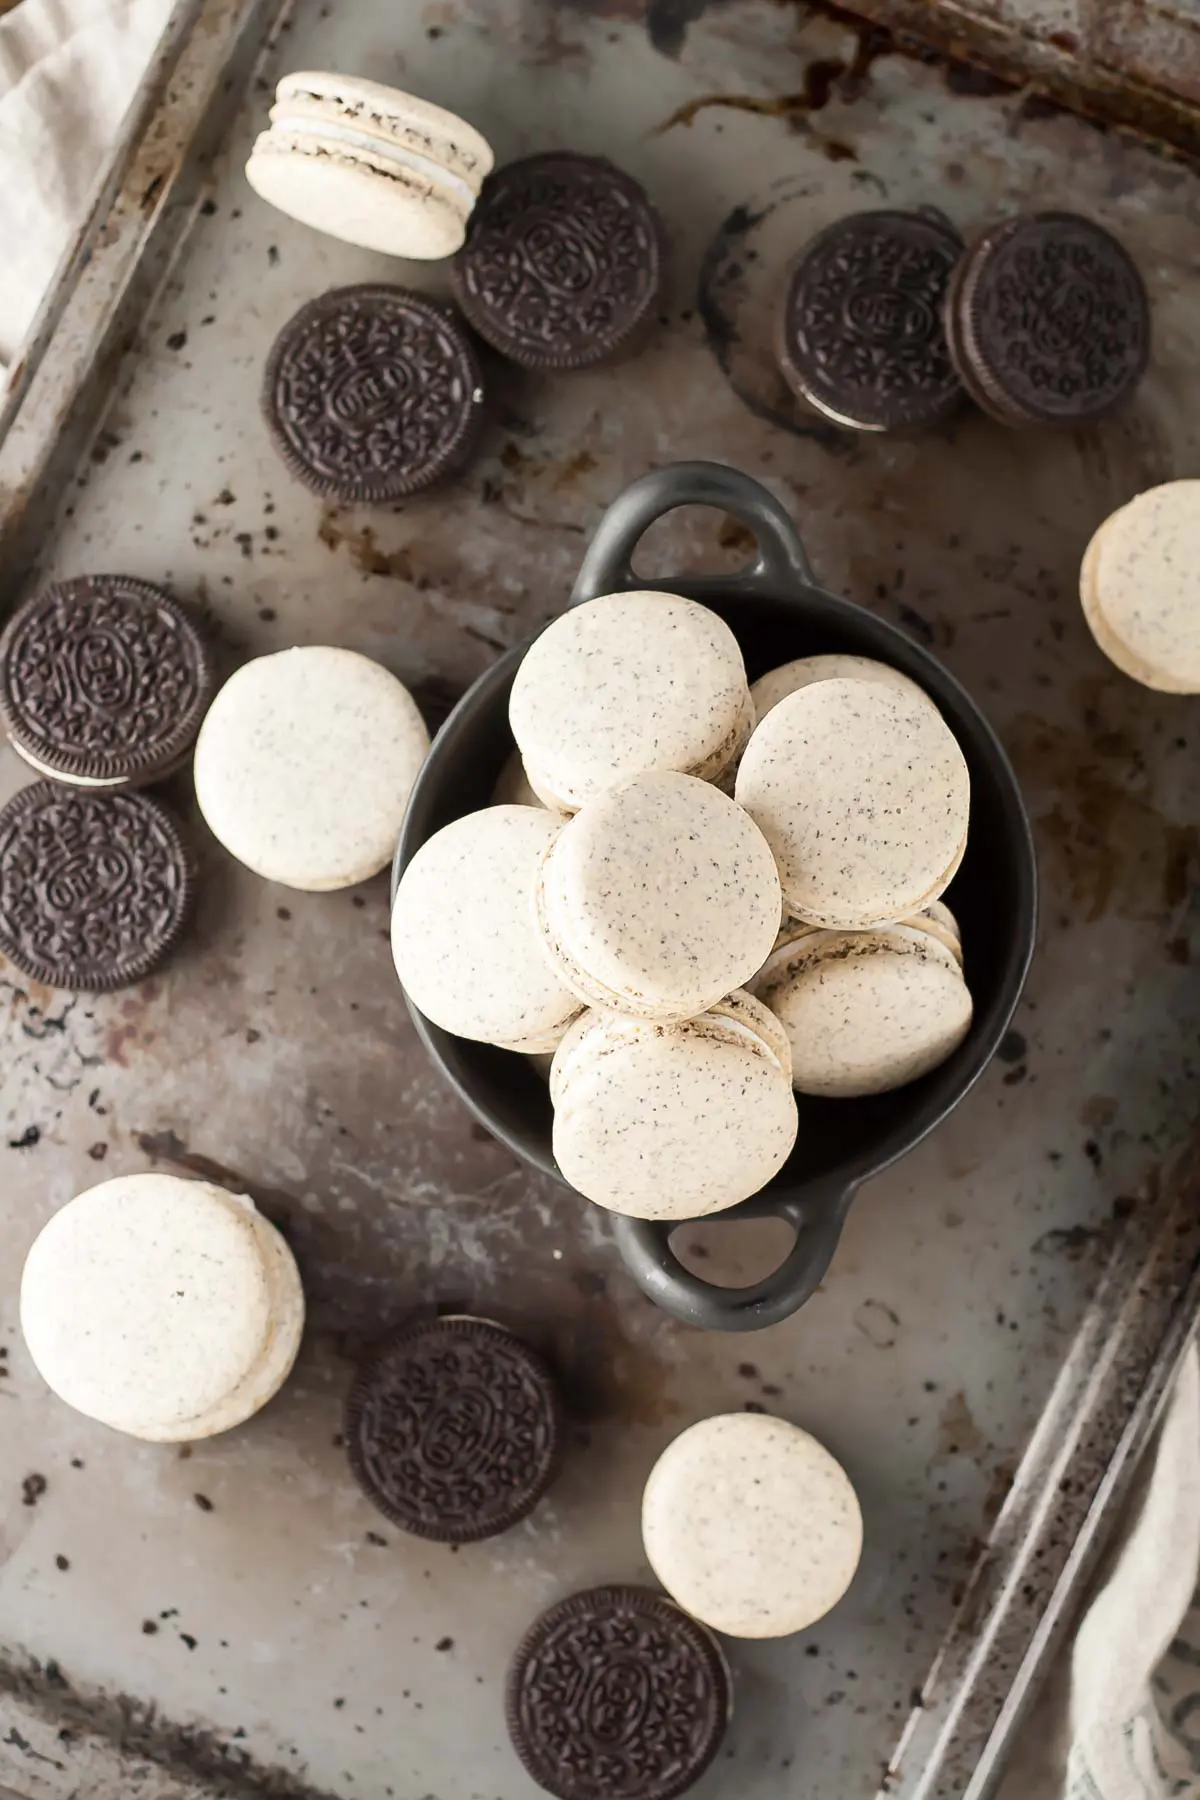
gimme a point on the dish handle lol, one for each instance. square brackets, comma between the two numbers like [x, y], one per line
[781, 562]
[816, 1217]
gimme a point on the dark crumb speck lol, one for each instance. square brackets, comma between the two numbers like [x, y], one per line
[149, 1627]
[188, 1639]
[812, 1650]
[77, 1462]
[32, 1489]
[433, 32]
[444, 1644]
[271, 533]
[930, 1387]
[373, 1537]
[748, 1371]
[62, 1563]
[98, 1152]
[281, 912]
[208, 208]
[177, 340]
[203, 1502]
[30, 1137]
[753, 1406]
[273, 255]
[267, 614]
[252, 1036]
[224, 498]
[338, 1704]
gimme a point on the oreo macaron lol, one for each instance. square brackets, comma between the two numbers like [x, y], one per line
[624, 685]
[369, 164]
[95, 889]
[104, 680]
[789, 678]
[1048, 321]
[863, 794]
[372, 393]
[1140, 587]
[454, 1429]
[563, 263]
[615, 1694]
[859, 333]
[673, 1121]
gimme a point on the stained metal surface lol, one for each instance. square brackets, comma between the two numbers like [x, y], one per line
[229, 1621]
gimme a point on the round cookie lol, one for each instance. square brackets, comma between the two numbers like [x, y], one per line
[789, 678]
[860, 334]
[658, 898]
[454, 1429]
[1140, 587]
[866, 1012]
[304, 766]
[465, 939]
[373, 393]
[167, 1309]
[95, 889]
[625, 685]
[103, 681]
[751, 1525]
[614, 1694]
[863, 795]
[673, 1121]
[1047, 321]
[369, 165]
[563, 263]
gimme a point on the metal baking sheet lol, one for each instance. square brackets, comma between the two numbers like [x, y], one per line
[236, 1620]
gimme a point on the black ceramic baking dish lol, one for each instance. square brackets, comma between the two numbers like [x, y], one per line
[777, 612]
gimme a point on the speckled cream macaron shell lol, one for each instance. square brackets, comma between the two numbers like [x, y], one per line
[464, 930]
[866, 1012]
[623, 685]
[146, 1302]
[751, 1525]
[279, 1353]
[863, 795]
[789, 678]
[1140, 587]
[670, 1122]
[369, 165]
[304, 765]
[659, 897]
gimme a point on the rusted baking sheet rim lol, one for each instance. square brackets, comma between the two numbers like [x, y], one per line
[1064, 73]
[1110, 1389]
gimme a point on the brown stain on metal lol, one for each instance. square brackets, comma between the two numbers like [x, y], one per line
[1107, 846]
[364, 550]
[958, 1434]
[605, 1374]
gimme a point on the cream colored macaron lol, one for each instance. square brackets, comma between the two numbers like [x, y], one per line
[370, 165]
[625, 685]
[512, 785]
[304, 765]
[751, 1525]
[868, 1011]
[863, 794]
[658, 898]
[790, 677]
[673, 1121]
[167, 1309]
[1140, 587]
[464, 931]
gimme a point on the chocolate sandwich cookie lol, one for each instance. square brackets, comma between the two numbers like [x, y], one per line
[615, 1694]
[372, 393]
[95, 889]
[1047, 321]
[104, 681]
[563, 262]
[454, 1429]
[860, 334]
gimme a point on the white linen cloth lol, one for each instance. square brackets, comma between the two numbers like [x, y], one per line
[1120, 1718]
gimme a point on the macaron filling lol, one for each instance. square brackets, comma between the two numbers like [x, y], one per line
[304, 131]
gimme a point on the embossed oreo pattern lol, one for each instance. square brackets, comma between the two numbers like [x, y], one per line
[615, 1694]
[562, 263]
[453, 1429]
[372, 393]
[104, 677]
[94, 888]
[861, 334]
[1050, 321]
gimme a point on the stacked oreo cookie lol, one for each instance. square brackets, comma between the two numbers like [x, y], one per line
[104, 681]
[888, 322]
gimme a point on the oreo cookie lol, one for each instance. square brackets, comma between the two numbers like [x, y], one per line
[454, 1429]
[615, 1694]
[563, 263]
[860, 333]
[1048, 321]
[95, 889]
[104, 681]
[372, 393]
